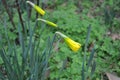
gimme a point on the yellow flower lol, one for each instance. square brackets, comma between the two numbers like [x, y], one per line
[75, 46]
[37, 8]
[48, 22]
[72, 44]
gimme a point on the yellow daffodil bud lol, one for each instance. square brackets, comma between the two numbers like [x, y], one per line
[37, 8]
[48, 22]
[75, 46]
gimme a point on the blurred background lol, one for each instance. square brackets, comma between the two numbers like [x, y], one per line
[72, 17]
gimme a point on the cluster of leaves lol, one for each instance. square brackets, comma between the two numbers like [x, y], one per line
[74, 24]
[22, 56]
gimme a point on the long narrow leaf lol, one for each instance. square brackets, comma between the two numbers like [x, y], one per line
[19, 76]
[83, 72]
[93, 68]
[85, 49]
[23, 50]
[8, 65]
[91, 58]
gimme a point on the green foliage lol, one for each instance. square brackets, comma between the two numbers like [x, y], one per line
[74, 24]
[30, 58]
[27, 60]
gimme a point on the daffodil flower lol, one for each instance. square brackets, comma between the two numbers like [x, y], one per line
[48, 22]
[37, 8]
[74, 46]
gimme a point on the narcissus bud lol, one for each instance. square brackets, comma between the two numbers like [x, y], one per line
[74, 46]
[37, 8]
